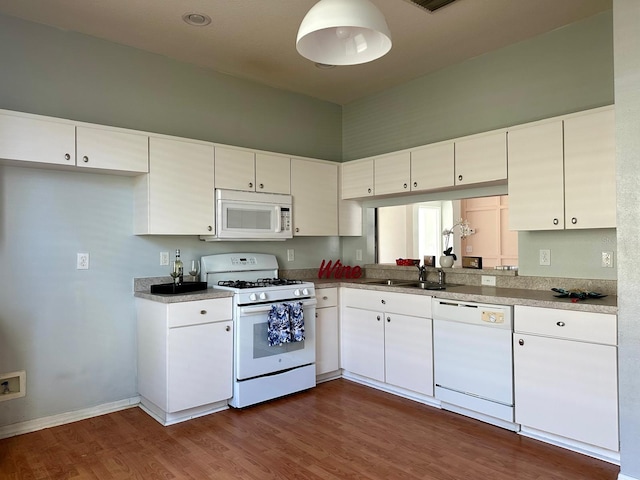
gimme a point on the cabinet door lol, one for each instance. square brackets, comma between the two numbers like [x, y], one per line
[314, 186]
[200, 365]
[536, 190]
[273, 173]
[409, 352]
[432, 167]
[327, 340]
[481, 159]
[362, 343]
[392, 173]
[176, 198]
[567, 388]
[34, 140]
[235, 169]
[590, 170]
[357, 179]
[110, 150]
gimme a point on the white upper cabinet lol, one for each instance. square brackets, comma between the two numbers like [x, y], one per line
[562, 173]
[41, 140]
[235, 169]
[273, 173]
[176, 197]
[536, 197]
[589, 170]
[33, 140]
[481, 158]
[315, 197]
[112, 150]
[357, 179]
[392, 173]
[240, 169]
[432, 167]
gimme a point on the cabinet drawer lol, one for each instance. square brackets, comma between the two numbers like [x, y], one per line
[326, 297]
[572, 325]
[199, 311]
[388, 302]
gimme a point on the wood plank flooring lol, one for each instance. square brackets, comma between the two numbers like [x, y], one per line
[336, 431]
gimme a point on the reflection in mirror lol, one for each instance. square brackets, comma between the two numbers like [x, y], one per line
[415, 230]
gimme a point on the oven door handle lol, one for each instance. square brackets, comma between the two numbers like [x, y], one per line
[265, 308]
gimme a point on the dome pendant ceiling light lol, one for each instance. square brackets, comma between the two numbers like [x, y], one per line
[343, 32]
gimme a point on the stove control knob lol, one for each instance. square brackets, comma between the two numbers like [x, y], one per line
[305, 291]
[253, 297]
[263, 296]
[296, 292]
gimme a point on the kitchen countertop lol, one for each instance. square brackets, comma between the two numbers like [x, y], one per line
[495, 295]
[469, 293]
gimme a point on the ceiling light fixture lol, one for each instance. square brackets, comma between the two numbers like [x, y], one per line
[343, 32]
[196, 19]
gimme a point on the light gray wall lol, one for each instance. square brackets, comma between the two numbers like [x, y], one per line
[69, 75]
[627, 84]
[563, 71]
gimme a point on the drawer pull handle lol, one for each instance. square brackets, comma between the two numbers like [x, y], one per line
[316, 314]
[560, 324]
[210, 228]
[85, 159]
[460, 177]
[203, 312]
[383, 302]
[325, 298]
[368, 190]
[521, 342]
[388, 319]
[415, 184]
[67, 156]
[555, 221]
[405, 185]
[250, 185]
[227, 328]
[378, 317]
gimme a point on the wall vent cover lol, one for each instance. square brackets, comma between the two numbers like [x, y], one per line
[432, 5]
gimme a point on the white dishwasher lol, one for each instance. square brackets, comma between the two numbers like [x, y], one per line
[473, 360]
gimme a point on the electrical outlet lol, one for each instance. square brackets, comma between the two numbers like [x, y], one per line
[358, 255]
[290, 255]
[488, 280]
[545, 257]
[607, 259]
[82, 262]
[164, 258]
[468, 249]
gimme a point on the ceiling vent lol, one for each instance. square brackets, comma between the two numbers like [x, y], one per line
[432, 5]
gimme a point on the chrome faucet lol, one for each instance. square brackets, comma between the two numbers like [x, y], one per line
[440, 276]
[422, 273]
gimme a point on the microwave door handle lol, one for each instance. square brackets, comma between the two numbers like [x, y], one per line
[278, 219]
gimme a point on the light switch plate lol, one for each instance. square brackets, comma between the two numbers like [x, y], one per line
[488, 280]
[290, 255]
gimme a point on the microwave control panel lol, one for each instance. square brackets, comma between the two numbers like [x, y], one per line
[285, 219]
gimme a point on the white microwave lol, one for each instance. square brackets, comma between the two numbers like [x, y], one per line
[252, 216]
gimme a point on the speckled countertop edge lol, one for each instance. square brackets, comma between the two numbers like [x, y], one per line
[141, 289]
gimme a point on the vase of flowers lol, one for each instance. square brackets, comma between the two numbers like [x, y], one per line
[448, 257]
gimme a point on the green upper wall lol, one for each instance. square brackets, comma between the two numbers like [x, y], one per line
[563, 71]
[65, 74]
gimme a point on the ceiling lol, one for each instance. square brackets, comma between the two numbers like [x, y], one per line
[255, 39]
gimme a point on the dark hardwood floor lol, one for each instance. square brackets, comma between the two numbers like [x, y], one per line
[339, 430]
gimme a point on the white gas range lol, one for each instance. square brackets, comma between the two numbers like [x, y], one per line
[266, 307]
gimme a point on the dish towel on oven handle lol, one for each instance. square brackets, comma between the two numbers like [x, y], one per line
[296, 316]
[285, 323]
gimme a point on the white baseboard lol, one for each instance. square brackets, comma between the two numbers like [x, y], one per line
[626, 477]
[68, 417]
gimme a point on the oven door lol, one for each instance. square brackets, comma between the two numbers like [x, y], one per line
[253, 355]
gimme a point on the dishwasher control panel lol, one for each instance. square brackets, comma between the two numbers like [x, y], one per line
[492, 317]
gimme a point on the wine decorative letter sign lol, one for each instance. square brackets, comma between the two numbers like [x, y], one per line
[338, 270]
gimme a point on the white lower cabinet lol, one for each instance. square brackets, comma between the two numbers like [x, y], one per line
[387, 337]
[565, 369]
[327, 331]
[185, 357]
